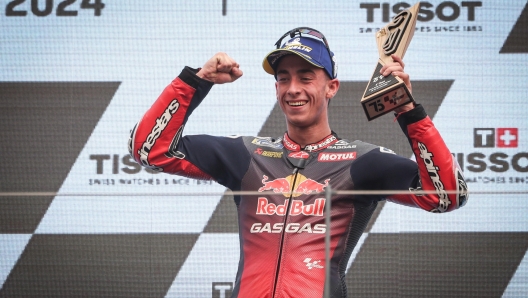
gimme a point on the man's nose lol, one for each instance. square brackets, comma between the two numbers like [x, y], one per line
[294, 88]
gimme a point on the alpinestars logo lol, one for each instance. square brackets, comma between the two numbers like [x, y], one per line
[161, 124]
[315, 264]
[432, 170]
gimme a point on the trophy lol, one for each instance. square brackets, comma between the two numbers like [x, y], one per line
[384, 94]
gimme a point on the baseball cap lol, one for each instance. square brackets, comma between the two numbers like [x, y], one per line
[313, 50]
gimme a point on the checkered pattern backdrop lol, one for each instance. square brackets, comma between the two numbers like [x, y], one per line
[73, 84]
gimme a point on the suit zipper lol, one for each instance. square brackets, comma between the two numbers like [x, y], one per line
[295, 172]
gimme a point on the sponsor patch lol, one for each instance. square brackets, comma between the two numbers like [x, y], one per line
[297, 207]
[312, 264]
[273, 154]
[336, 156]
[299, 154]
[279, 227]
[285, 185]
[267, 142]
[325, 143]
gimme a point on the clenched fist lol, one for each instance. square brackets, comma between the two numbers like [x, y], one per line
[220, 69]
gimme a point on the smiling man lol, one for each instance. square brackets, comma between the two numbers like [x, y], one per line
[282, 228]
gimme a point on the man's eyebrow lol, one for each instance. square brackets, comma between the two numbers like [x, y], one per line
[306, 70]
[301, 71]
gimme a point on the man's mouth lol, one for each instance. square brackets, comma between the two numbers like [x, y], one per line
[297, 103]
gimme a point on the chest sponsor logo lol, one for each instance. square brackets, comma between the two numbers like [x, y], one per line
[265, 153]
[303, 185]
[325, 143]
[293, 227]
[299, 154]
[289, 144]
[297, 207]
[337, 156]
[310, 264]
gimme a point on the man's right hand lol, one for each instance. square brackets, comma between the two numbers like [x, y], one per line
[220, 69]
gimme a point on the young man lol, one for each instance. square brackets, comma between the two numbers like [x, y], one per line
[282, 229]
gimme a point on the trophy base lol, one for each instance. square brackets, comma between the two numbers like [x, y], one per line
[384, 94]
[386, 100]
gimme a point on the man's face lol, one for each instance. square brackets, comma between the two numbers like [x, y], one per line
[303, 91]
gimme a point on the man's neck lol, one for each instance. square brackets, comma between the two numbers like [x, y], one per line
[306, 136]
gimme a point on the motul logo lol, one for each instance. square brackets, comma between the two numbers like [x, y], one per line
[325, 157]
[297, 208]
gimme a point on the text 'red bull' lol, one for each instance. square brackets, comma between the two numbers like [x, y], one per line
[297, 207]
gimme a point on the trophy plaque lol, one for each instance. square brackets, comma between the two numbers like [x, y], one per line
[384, 94]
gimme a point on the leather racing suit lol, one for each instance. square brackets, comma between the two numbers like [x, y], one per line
[282, 230]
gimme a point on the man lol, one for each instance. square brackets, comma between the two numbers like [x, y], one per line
[282, 229]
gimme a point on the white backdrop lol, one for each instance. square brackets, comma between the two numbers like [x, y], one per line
[143, 45]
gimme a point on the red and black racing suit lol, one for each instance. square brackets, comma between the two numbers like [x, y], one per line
[282, 230]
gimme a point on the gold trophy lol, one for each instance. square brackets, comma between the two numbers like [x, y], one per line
[384, 94]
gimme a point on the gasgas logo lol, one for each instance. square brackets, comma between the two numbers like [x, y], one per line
[303, 185]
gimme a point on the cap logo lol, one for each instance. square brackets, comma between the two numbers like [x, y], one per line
[295, 44]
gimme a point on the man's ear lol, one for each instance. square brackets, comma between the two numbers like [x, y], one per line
[333, 86]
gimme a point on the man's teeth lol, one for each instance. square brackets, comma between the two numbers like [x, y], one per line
[297, 103]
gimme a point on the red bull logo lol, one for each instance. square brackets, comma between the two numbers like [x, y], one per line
[303, 185]
[308, 186]
[297, 207]
[279, 185]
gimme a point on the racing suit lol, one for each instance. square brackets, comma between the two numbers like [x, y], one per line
[282, 230]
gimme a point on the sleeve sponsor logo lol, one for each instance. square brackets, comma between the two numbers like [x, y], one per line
[432, 170]
[161, 124]
[329, 157]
